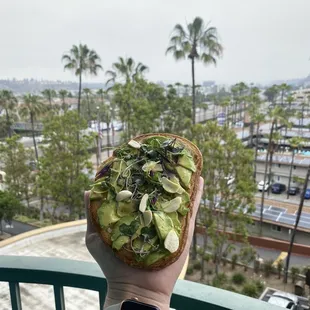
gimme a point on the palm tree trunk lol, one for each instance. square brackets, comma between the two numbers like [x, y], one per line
[80, 92]
[290, 177]
[193, 92]
[265, 179]
[88, 107]
[256, 150]
[33, 137]
[301, 204]
[8, 123]
[270, 166]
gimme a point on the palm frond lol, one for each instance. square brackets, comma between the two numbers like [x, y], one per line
[207, 59]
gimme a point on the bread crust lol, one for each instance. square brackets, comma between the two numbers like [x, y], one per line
[129, 257]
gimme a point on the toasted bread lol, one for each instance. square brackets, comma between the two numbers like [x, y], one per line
[129, 257]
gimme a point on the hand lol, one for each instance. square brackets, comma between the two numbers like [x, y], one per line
[152, 287]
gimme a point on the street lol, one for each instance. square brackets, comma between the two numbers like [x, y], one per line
[16, 228]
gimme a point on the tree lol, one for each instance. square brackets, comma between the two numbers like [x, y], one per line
[290, 100]
[271, 93]
[8, 102]
[9, 207]
[283, 88]
[126, 69]
[277, 116]
[33, 108]
[301, 204]
[88, 93]
[82, 60]
[199, 42]
[61, 158]
[225, 205]
[63, 94]
[295, 143]
[49, 95]
[19, 177]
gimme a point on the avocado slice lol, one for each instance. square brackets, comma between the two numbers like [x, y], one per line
[124, 220]
[125, 208]
[163, 224]
[155, 256]
[176, 223]
[107, 214]
[183, 210]
[184, 175]
[187, 162]
[119, 242]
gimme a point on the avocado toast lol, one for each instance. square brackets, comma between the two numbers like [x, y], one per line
[142, 198]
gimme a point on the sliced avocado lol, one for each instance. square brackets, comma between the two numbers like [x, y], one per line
[107, 214]
[119, 242]
[125, 208]
[184, 174]
[155, 256]
[138, 244]
[124, 220]
[176, 223]
[94, 195]
[163, 224]
[187, 161]
[183, 210]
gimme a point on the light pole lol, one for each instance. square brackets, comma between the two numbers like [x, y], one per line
[99, 137]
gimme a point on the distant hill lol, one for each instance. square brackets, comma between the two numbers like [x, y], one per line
[298, 82]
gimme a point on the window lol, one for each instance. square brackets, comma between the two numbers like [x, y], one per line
[276, 228]
[279, 178]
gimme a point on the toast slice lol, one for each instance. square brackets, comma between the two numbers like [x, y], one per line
[158, 256]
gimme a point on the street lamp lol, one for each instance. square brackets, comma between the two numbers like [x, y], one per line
[99, 137]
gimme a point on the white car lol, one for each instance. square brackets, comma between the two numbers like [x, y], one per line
[284, 300]
[261, 186]
[230, 180]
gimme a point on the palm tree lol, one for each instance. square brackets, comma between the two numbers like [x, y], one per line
[186, 87]
[126, 68]
[32, 107]
[8, 102]
[197, 41]
[271, 93]
[49, 94]
[88, 93]
[101, 93]
[290, 100]
[82, 60]
[283, 89]
[178, 86]
[301, 204]
[295, 143]
[63, 94]
[257, 119]
[277, 116]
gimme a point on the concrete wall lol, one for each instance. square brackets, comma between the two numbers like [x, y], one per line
[279, 233]
[280, 173]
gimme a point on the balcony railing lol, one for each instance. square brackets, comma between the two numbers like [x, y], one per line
[61, 273]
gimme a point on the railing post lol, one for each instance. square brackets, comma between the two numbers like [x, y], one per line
[15, 296]
[59, 297]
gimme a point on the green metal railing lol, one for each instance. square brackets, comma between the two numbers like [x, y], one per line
[62, 273]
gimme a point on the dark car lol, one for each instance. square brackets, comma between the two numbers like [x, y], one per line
[307, 193]
[293, 190]
[278, 188]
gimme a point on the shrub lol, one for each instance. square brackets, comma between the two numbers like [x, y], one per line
[260, 285]
[224, 259]
[219, 280]
[190, 270]
[294, 273]
[207, 257]
[209, 272]
[238, 278]
[234, 260]
[250, 289]
[197, 265]
[280, 267]
[268, 268]
[230, 288]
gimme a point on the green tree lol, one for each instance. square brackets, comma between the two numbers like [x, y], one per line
[299, 211]
[283, 88]
[257, 118]
[19, 177]
[226, 204]
[88, 94]
[290, 100]
[8, 102]
[126, 69]
[247, 256]
[271, 93]
[295, 143]
[82, 60]
[63, 94]
[9, 207]
[277, 116]
[62, 157]
[49, 95]
[33, 108]
[199, 42]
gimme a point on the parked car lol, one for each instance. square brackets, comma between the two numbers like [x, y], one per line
[307, 193]
[284, 300]
[293, 190]
[230, 180]
[261, 186]
[278, 188]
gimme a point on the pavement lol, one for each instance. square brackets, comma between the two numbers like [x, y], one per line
[16, 227]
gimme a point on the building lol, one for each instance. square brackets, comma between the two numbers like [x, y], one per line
[301, 95]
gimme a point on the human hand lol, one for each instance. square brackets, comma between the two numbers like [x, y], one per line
[124, 282]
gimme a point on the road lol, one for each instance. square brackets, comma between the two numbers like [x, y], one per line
[16, 228]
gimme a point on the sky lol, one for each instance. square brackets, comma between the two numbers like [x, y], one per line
[263, 40]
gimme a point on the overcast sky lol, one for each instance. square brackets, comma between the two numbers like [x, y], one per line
[263, 40]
